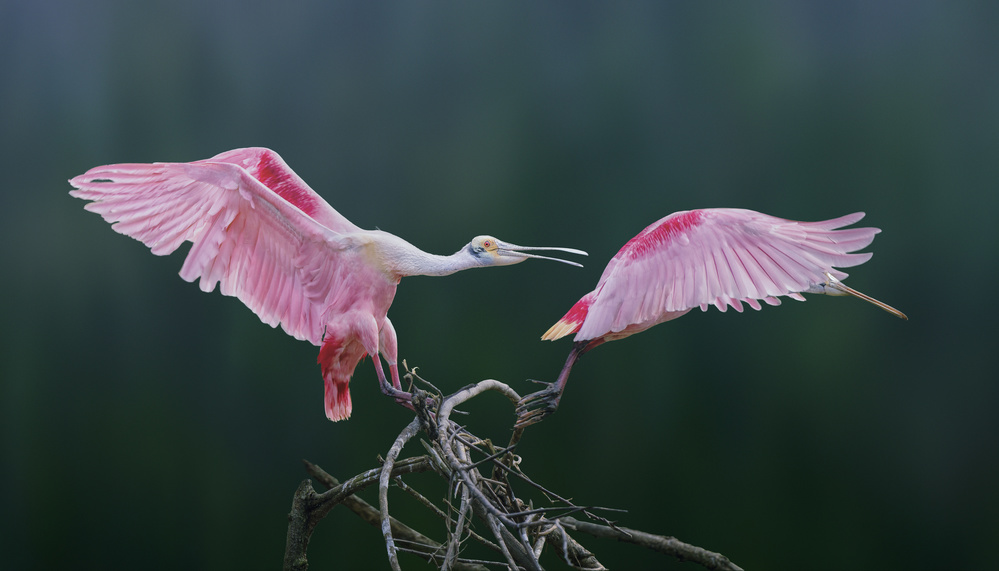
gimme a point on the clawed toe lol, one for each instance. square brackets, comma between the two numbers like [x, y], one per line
[536, 406]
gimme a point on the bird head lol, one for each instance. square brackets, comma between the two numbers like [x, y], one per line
[490, 251]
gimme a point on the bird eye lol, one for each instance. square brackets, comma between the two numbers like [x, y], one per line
[487, 244]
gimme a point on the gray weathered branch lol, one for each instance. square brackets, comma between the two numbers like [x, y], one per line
[663, 544]
[520, 531]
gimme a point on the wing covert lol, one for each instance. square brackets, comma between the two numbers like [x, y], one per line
[270, 169]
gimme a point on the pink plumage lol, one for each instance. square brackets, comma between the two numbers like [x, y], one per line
[698, 258]
[718, 256]
[260, 233]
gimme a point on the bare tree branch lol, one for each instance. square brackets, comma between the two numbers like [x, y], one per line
[383, 483]
[520, 531]
[663, 544]
[295, 556]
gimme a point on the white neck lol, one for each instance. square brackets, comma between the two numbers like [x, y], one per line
[426, 264]
[404, 259]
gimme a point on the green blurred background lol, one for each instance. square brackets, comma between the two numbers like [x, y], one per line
[146, 424]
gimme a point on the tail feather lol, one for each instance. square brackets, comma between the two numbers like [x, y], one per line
[337, 400]
[337, 361]
[561, 329]
[571, 322]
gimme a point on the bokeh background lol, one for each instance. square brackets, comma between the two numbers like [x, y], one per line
[146, 424]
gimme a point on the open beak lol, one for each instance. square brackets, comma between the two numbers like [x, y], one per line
[513, 250]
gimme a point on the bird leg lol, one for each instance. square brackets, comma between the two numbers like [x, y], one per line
[535, 406]
[393, 389]
[833, 286]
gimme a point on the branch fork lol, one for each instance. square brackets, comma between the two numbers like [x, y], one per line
[520, 532]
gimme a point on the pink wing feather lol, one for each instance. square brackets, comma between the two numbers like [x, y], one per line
[270, 169]
[720, 257]
[257, 229]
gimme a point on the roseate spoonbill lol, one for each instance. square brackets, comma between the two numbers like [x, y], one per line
[268, 239]
[715, 256]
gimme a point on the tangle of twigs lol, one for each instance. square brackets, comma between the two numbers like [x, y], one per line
[519, 531]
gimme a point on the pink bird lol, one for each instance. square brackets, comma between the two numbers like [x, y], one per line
[715, 256]
[268, 239]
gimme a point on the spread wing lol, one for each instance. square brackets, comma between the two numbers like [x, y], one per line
[270, 169]
[719, 257]
[256, 229]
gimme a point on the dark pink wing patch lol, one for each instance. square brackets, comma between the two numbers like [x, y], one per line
[659, 234]
[270, 169]
[275, 175]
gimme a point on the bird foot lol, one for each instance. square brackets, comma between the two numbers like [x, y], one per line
[412, 400]
[534, 407]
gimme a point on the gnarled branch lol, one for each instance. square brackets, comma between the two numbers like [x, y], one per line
[520, 531]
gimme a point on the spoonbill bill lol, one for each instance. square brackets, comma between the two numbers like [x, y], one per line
[265, 237]
[698, 258]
